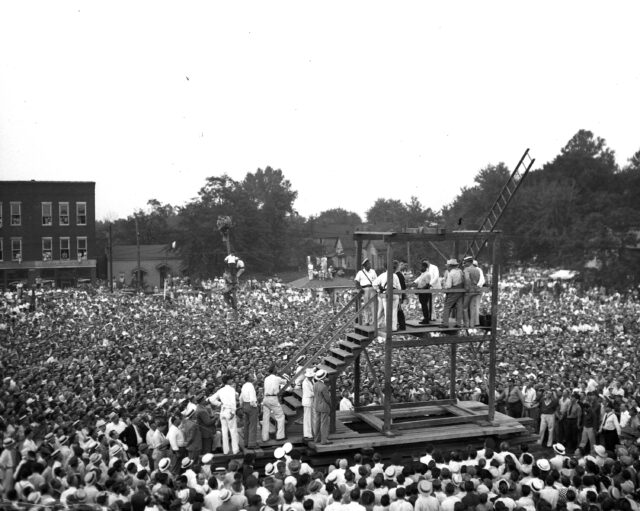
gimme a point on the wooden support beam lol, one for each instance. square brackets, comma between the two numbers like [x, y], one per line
[412, 404]
[435, 421]
[376, 384]
[388, 392]
[372, 420]
[437, 341]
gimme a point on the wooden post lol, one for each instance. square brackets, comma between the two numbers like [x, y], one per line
[495, 245]
[356, 382]
[388, 340]
[452, 376]
[356, 361]
[334, 405]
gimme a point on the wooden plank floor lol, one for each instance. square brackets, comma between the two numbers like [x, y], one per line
[346, 438]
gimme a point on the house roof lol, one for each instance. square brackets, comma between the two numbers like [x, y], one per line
[147, 252]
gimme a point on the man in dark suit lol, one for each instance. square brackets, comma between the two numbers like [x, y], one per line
[322, 403]
[133, 435]
[206, 423]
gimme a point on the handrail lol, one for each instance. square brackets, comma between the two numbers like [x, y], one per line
[322, 330]
[317, 353]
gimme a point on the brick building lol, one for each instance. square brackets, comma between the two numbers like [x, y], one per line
[47, 231]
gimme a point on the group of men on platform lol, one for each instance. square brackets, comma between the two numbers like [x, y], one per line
[463, 300]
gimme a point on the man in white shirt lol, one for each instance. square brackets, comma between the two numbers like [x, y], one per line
[424, 282]
[380, 284]
[271, 405]
[249, 403]
[434, 274]
[364, 281]
[307, 404]
[226, 399]
[175, 436]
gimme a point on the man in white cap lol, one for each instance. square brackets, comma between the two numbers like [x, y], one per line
[364, 282]
[454, 280]
[271, 405]
[322, 404]
[307, 404]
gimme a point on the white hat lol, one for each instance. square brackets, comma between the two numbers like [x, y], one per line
[114, 450]
[207, 458]
[309, 372]
[269, 469]
[425, 486]
[537, 484]
[186, 462]
[321, 374]
[543, 465]
[452, 262]
[288, 447]
[278, 453]
[365, 260]
[390, 472]
[559, 449]
[90, 477]
[164, 464]
[225, 495]
[600, 451]
[188, 412]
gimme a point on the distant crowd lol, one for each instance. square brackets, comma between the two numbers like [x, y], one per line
[87, 375]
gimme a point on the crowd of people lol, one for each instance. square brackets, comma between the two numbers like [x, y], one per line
[95, 386]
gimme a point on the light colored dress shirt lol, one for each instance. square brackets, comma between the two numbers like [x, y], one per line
[248, 394]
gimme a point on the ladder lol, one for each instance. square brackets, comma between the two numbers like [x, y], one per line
[504, 198]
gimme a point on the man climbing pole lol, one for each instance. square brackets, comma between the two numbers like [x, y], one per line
[233, 265]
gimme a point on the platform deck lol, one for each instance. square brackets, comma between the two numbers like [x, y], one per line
[347, 438]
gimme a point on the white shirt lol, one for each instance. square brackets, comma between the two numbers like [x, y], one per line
[346, 405]
[272, 384]
[225, 397]
[248, 394]
[307, 392]
[365, 278]
[381, 282]
[434, 272]
[175, 437]
[423, 280]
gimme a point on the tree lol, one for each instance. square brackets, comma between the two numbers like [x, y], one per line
[271, 193]
[387, 211]
[337, 216]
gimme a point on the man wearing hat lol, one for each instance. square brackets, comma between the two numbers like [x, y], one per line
[424, 282]
[322, 404]
[454, 279]
[471, 296]
[192, 434]
[307, 404]
[8, 462]
[205, 422]
[364, 282]
[426, 501]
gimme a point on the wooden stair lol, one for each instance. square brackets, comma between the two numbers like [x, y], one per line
[334, 361]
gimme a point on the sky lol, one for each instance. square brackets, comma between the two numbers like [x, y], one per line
[352, 100]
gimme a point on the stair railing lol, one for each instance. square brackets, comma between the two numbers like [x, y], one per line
[312, 359]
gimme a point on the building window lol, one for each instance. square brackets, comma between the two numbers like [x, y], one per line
[16, 213]
[64, 249]
[82, 248]
[47, 249]
[1, 251]
[81, 213]
[16, 249]
[47, 214]
[63, 208]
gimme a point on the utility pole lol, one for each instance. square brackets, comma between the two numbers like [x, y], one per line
[138, 254]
